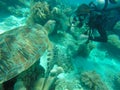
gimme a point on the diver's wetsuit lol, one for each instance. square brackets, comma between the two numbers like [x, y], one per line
[96, 22]
[103, 22]
[100, 20]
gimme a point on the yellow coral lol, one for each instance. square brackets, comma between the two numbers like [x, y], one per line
[40, 13]
[41, 9]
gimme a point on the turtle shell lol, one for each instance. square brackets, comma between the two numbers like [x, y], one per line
[20, 48]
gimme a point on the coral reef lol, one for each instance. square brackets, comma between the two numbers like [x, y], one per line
[65, 47]
[112, 47]
[62, 84]
[63, 59]
[91, 80]
[114, 40]
[18, 11]
[117, 26]
[40, 13]
[61, 19]
[16, 8]
[69, 47]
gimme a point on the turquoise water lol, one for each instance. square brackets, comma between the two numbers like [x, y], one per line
[71, 63]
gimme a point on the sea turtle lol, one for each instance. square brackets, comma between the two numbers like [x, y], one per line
[22, 47]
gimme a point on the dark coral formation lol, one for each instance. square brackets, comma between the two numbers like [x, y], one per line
[92, 81]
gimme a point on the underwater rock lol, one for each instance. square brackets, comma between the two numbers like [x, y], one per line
[91, 81]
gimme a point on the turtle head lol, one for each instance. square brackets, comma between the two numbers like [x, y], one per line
[49, 26]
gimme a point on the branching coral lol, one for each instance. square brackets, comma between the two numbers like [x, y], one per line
[40, 12]
[92, 81]
[41, 9]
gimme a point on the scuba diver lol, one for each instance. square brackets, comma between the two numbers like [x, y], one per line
[100, 17]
